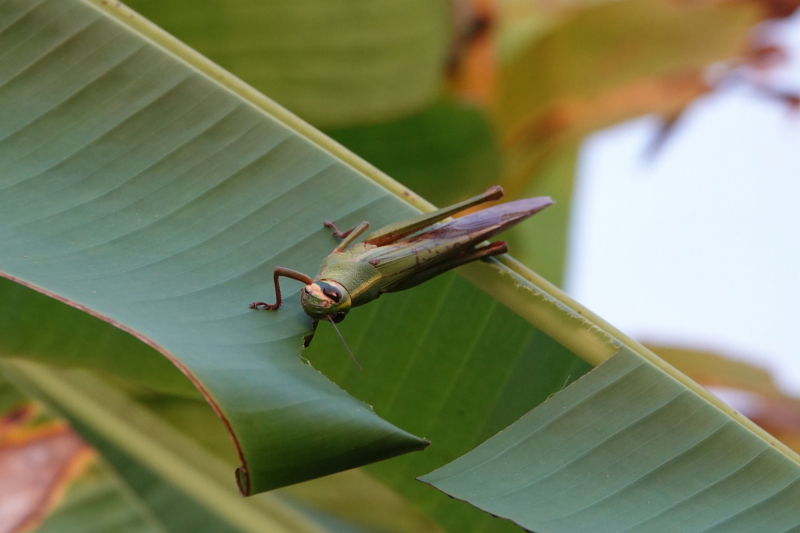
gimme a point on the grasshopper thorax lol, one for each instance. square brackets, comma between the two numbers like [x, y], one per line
[325, 298]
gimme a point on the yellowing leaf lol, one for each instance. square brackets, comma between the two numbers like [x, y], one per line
[608, 63]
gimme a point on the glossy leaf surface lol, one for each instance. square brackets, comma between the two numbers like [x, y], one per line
[164, 213]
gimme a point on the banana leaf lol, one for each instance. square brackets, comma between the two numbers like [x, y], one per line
[629, 448]
[152, 191]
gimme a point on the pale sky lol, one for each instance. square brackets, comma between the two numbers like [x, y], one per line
[699, 247]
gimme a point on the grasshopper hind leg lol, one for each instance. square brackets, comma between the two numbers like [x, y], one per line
[481, 252]
[399, 230]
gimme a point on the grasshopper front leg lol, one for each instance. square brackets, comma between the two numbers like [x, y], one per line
[287, 273]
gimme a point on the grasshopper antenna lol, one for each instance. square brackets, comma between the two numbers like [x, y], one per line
[345, 344]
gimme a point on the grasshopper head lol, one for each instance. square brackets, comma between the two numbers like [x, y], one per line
[323, 299]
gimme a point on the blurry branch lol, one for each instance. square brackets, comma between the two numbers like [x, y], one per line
[471, 67]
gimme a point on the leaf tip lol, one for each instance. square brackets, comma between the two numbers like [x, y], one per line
[243, 481]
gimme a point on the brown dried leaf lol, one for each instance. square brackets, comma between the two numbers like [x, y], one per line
[16, 418]
[714, 370]
[572, 117]
[37, 464]
[608, 63]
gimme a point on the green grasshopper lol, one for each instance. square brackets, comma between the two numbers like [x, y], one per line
[398, 257]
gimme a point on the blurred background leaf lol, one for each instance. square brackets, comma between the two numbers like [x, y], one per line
[52, 481]
[449, 148]
[148, 476]
[607, 63]
[333, 63]
[586, 66]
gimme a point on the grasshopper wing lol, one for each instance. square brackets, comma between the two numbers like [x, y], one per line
[442, 247]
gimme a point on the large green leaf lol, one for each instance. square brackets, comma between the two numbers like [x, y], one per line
[493, 373]
[628, 448]
[138, 189]
[332, 63]
[354, 496]
[448, 363]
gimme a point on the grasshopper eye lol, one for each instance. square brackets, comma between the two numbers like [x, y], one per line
[338, 317]
[333, 293]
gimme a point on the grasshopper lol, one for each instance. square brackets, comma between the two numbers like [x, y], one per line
[401, 256]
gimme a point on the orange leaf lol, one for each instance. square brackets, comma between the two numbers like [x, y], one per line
[36, 466]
